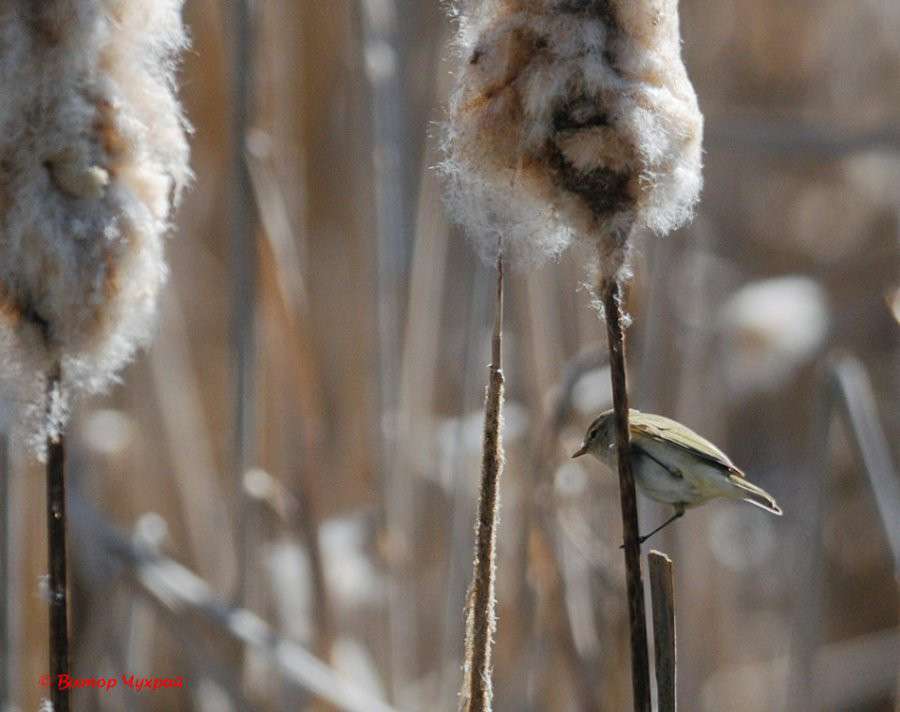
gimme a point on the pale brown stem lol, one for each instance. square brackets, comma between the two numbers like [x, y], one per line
[480, 619]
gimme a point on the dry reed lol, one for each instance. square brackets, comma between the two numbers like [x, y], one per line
[481, 622]
[662, 592]
[244, 266]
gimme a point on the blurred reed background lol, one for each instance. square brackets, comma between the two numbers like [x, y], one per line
[325, 480]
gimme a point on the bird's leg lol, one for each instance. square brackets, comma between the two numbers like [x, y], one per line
[679, 512]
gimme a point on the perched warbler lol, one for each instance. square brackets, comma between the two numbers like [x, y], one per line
[672, 464]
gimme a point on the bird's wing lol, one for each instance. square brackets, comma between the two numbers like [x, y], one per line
[639, 446]
[669, 431]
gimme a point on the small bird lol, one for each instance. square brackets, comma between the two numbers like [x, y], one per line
[673, 465]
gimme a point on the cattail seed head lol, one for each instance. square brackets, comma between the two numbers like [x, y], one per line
[571, 119]
[93, 154]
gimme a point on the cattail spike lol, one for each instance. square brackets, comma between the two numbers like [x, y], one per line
[94, 155]
[572, 119]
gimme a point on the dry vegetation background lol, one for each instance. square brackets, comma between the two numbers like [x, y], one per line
[345, 520]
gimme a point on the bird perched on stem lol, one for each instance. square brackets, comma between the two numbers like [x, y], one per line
[673, 465]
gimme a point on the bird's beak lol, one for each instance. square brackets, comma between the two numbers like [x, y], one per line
[580, 451]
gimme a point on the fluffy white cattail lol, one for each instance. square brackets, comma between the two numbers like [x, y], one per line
[571, 119]
[93, 154]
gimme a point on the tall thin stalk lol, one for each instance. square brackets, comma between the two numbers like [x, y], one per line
[610, 293]
[244, 284]
[481, 622]
[391, 154]
[56, 549]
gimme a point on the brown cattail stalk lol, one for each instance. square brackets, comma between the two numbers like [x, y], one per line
[610, 294]
[56, 550]
[481, 622]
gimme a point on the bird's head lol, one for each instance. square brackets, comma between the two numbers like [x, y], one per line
[600, 438]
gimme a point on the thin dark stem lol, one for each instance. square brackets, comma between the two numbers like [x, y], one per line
[56, 549]
[662, 594]
[481, 621]
[610, 294]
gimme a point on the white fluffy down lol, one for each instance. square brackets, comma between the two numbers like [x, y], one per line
[93, 153]
[571, 119]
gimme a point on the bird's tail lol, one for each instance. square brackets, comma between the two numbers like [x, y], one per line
[749, 492]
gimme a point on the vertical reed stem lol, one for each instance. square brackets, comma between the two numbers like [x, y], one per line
[56, 549]
[610, 294]
[244, 266]
[662, 597]
[481, 621]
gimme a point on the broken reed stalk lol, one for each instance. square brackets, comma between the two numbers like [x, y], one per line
[611, 296]
[481, 622]
[662, 598]
[56, 552]
[6, 582]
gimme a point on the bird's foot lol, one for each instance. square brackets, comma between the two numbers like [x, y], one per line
[641, 540]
